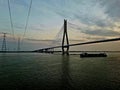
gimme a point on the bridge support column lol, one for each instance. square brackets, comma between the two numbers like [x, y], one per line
[65, 48]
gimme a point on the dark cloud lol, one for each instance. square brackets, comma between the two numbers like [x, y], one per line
[98, 32]
[102, 23]
[112, 8]
[82, 19]
[93, 21]
[101, 32]
[109, 12]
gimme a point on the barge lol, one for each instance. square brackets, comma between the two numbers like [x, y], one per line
[93, 55]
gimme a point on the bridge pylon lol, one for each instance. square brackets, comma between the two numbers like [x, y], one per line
[65, 48]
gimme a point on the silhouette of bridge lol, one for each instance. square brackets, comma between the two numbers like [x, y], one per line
[65, 48]
[63, 34]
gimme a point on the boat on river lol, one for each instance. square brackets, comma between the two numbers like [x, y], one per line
[93, 55]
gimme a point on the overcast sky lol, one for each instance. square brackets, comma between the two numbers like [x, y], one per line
[87, 20]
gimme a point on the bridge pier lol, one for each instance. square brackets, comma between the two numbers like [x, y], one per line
[65, 51]
[65, 48]
[51, 50]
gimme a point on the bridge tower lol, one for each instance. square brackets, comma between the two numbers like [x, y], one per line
[65, 48]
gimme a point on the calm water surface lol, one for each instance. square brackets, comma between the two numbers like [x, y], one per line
[57, 72]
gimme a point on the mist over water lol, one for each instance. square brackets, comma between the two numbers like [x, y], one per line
[56, 72]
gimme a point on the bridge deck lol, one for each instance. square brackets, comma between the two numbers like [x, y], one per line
[90, 42]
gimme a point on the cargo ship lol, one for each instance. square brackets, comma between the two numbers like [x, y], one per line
[93, 55]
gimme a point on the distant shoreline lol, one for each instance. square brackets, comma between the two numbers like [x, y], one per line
[54, 51]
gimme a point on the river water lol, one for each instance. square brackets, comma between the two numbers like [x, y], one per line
[56, 72]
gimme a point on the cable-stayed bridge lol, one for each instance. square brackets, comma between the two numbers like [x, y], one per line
[61, 42]
[65, 42]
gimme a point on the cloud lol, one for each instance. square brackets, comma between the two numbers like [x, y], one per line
[95, 15]
[112, 8]
[96, 30]
[101, 32]
[96, 38]
[89, 12]
[39, 27]
[38, 40]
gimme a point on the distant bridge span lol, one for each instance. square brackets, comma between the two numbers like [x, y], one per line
[65, 47]
[84, 43]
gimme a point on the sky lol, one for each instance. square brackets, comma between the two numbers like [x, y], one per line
[88, 20]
